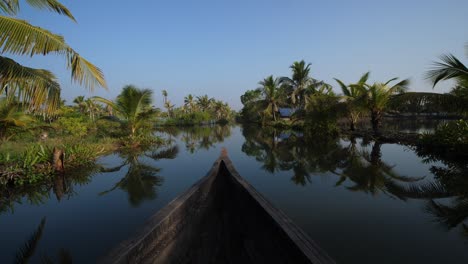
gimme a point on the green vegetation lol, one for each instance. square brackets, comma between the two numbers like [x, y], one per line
[199, 110]
[38, 88]
[312, 104]
[32, 141]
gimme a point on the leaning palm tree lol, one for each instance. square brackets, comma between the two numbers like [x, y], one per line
[133, 105]
[270, 88]
[38, 87]
[377, 96]
[352, 94]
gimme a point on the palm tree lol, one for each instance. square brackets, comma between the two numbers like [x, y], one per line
[270, 88]
[133, 105]
[38, 87]
[11, 116]
[300, 82]
[91, 108]
[377, 96]
[189, 103]
[80, 102]
[169, 107]
[164, 94]
[352, 94]
[204, 102]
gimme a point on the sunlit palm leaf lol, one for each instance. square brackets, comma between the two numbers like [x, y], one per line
[36, 87]
[21, 38]
[51, 5]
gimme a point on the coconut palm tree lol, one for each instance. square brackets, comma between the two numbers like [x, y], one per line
[133, 106]
[11, 116]
[377, 96]
[169, 107]
[204, 102]
[38, 87]
[92, 108]
[164, 94]
[189, 103]
[271, 90]
[352, 94]
[300, 82]
[80, 102]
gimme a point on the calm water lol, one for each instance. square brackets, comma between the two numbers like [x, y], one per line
[363, 202]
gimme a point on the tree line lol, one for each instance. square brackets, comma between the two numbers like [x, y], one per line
[313, 101]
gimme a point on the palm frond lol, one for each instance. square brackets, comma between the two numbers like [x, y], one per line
[391, 80]
[363, 78]
[343, 86]
[448, 68]
[51, 5]
[18, 37]
[37, 88]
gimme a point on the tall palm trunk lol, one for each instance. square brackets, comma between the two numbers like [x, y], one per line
[375, 120]
[273, 111]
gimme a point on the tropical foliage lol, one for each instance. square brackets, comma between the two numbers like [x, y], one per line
[134, 108]
[38, 88]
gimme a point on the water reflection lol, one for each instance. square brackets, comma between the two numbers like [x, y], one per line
[141, 180]
[198, 137]
[447, 194]
[28, 250]
[61, 186]
[370, 174]
[313, 154]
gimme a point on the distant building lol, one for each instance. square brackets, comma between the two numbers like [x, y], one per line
[286, 113]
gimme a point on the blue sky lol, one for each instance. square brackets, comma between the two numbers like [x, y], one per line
[223, 48]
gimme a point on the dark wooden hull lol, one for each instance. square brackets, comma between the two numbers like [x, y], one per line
[220, 219]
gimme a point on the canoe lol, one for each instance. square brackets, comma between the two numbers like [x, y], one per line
[220, 219]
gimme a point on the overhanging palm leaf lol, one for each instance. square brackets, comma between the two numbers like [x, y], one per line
[12, 7]
[449, 68]
[18, 37]
[35, 87]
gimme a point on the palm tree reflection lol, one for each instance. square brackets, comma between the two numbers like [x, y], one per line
[141, 180]
[447, 194]
[314, 154]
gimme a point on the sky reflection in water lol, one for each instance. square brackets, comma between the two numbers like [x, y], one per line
[362, 201]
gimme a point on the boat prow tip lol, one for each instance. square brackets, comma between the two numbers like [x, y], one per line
[224, 152]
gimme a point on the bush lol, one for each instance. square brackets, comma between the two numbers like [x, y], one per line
[110, 128]
[453, 133]
[75, 126]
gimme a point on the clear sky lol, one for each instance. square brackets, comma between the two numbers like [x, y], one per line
[223, 48]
